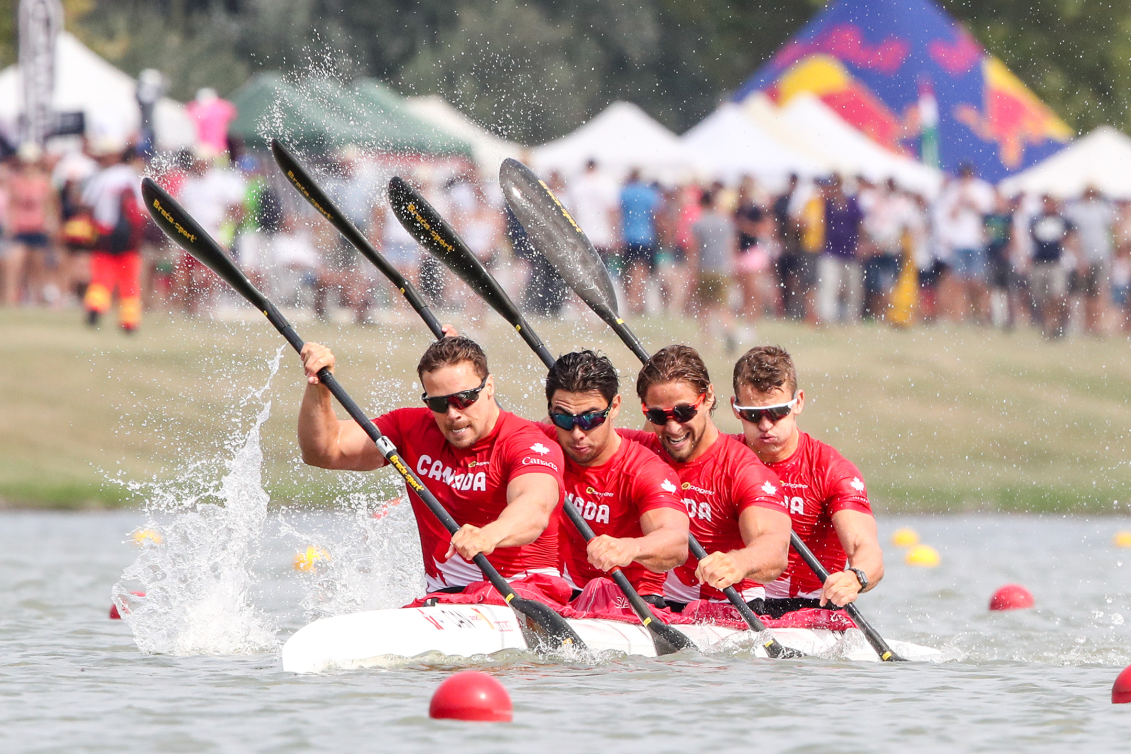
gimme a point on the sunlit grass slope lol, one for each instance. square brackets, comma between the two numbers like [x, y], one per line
[937, 418]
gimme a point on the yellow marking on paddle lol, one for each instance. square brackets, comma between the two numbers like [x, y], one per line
[885, 656]
[409, 479]
[402, 290]
[565, 212]
[620, 321]
[769, 644]
[518, 328]
[647, 621]
[510, 597]
[172, 221]
[302, 190]
[411, 207]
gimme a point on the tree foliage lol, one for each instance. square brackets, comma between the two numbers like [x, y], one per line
[535, 69]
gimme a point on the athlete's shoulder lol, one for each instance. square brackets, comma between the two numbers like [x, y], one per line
[826, 459]
[407, 421]
[526, 443]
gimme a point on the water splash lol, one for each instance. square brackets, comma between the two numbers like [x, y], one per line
[196, 579]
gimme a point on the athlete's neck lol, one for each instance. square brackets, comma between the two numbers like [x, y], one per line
[710, 437]
[607, 452]
[786, 450]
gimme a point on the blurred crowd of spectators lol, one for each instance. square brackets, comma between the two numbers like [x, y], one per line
[72, 234]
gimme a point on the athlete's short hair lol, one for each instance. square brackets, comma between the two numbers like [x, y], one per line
[675, 364]
[451, 351]
[583, 372]
[766, 368]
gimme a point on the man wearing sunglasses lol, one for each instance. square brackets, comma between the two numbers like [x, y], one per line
[825, 492]
[625, 493]
[735, 503]
[493, 471]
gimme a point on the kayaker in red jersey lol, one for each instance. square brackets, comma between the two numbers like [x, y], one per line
[494, 472]
[825, 492]
[627, 495]
[735, 503]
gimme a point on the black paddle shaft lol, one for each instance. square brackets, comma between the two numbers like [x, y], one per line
[882, 649]
[321, 201]
[180, 227]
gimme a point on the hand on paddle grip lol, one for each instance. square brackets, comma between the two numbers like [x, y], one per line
[316, 357]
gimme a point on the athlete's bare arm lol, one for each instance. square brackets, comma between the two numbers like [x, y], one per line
[531, 499]
[662, 548]
[857, 532]
[765, 556]
[323, 439]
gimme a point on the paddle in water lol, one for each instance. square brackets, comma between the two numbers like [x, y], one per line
[556, 235]
[551, 628]
[434, 233]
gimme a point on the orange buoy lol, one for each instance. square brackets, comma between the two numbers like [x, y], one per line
[471, 695]
[1011, 597]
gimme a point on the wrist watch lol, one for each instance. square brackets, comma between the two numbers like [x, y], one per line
[860, 576]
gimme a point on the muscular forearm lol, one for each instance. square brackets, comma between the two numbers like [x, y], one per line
[318, 429]
[520, 523]
[661, 550]
[763, 560]
[869, 559]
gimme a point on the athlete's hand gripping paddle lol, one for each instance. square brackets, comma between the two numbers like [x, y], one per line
[179, 226]
[318, 199]
[434, 233]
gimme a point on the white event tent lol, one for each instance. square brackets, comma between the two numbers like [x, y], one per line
[852, 152]
[1101, 159]
[620, 138]
[729, 144]
[85, 82]
[489, 150]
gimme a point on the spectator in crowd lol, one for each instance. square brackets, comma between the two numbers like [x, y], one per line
[114, 198]
[1048, 274]
[792, 261]
[213, 194]
[595, 205]
[340, 271]
[999, 262]
[839, 275]
[964, 206]
[33, 220]
[671, 256]
[1093, 219]
[755, 244]
[1121, 267]
[638, 204]
[713, 258]
[886, 221]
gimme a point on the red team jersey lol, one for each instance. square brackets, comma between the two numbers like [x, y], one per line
[472, 485]
[611, 498]
[716, 488]
[818, 482]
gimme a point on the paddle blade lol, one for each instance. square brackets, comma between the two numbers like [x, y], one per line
[300, 179]
[186, 233]
[554, 233]
[433, 232]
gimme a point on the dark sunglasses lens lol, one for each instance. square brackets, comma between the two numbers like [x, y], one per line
[684, 413]
[657, 416]
[464, 399]
[591, 421]
[562, 421]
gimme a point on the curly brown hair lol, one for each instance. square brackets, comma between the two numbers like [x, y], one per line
[766, 368]
[583, 372]
[450, 351]
[674, 363]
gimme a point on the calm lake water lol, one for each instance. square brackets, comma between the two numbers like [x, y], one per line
[75, 681]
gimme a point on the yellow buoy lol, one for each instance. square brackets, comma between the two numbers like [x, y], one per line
[905, 537]
[923, 555]
[141, 536]
[307, 561]
[1122, 539]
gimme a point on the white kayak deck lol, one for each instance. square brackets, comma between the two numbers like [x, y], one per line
[379, 638]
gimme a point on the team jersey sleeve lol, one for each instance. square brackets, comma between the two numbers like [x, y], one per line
[391, 425]
[845, 489]
[529, 451]
[649, 440]
[755, 485]
[655, 485]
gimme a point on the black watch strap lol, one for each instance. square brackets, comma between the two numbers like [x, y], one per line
[860, 576]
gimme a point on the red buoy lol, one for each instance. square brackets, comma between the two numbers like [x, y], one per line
[114, 614]
[471, 695]
[1121, 691]
[1011, 597]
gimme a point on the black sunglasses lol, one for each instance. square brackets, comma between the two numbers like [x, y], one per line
[588, 421]
[682, 413]
[755, 414]
[464, 398]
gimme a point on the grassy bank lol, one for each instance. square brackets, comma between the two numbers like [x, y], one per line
[938, 419]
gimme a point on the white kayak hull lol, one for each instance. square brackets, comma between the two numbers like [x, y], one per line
[379, 638]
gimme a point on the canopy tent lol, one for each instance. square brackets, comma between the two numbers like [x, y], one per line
[895, 68]
[107, 97]
[321, 114]
[620, 138]
[1101, 159]
[488, 150]
[852, 153]
[728, 144]
[766, 114]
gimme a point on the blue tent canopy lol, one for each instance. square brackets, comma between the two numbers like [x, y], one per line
[885, 65]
